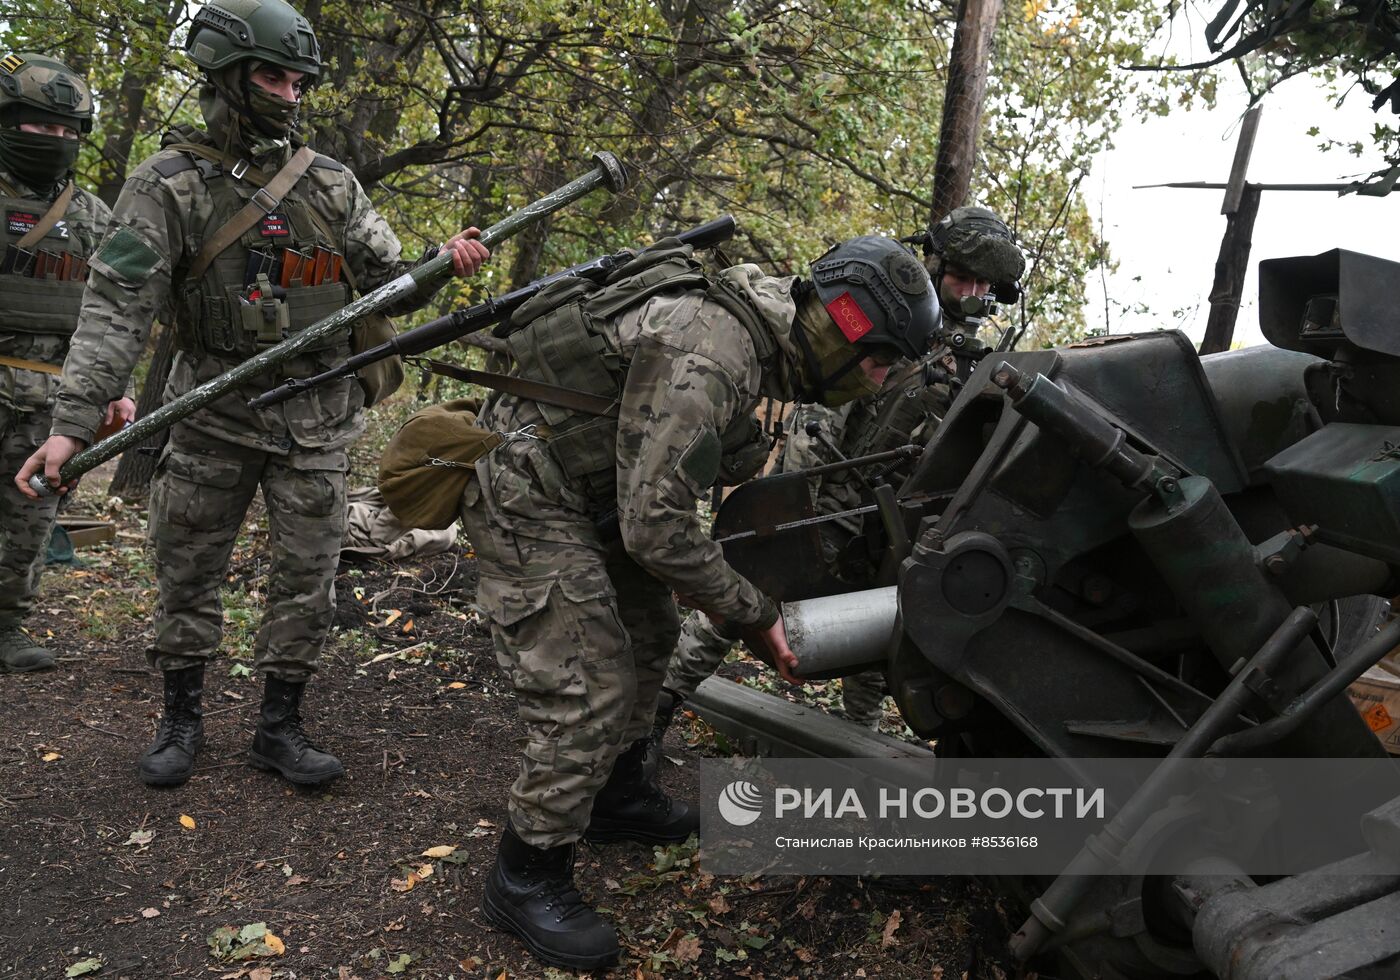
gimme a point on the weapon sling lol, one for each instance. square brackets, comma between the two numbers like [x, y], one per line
[50, 218]
[538, 391]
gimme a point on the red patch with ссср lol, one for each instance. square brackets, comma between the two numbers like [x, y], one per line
[849, 317]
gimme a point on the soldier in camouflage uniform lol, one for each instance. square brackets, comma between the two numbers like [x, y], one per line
[972, 256]
[584, 622]
[256, 55]
[44, 106]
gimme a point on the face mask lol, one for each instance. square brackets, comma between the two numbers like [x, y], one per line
[271, 114]
[38, 160]
[834, 355]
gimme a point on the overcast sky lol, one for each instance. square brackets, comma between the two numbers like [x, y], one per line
[1166, 240]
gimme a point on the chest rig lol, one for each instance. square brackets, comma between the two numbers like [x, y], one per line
[559, 337]
[242, 303]
[41, 285]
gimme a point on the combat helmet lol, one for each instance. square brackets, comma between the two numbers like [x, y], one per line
[878, 294]
[229, 31]
[882, 303]
[35, 88]
[976, 240]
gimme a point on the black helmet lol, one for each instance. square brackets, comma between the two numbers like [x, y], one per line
[228, 31]
[879, 294]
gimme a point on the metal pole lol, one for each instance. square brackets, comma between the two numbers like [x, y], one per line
[607, 172]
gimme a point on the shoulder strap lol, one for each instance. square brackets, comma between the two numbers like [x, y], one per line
[258, 179]
[263, 202]
[56, 210]
[749, 318]
[537, 391]
[8, 189]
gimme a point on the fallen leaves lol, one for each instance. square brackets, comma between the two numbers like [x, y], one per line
[245, 942]
[187, 821]
[887, 935]
[51, 756]
[150, 913]
[440, 851]
[83, 967]
[399, 963]
[139, 838]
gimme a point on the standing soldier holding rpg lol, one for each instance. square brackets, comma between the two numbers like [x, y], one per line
[583, 623]
[239, 236]
[51, 228]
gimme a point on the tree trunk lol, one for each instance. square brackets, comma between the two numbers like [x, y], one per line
[1230, 269]
[138, 464]
[962, 105]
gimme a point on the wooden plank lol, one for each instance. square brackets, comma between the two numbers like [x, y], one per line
[1234, 189]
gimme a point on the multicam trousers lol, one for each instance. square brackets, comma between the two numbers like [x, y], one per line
[25, 524]
[199, 498]
[582, 632]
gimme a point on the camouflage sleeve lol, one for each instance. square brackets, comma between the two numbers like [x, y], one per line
[374, 252]
[128, 282]
[674, 406]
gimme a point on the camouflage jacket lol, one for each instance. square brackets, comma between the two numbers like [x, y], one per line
[158, 227]
[692, 379]
[85, 220]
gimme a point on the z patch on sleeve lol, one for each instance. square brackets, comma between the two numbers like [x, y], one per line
[127, 256]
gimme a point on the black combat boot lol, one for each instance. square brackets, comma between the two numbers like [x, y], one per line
[631, 806]
[531, 894]
[170, 759]
[281, 743]
[19, 654]
[667, 704]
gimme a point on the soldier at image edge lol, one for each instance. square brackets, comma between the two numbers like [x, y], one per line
[52, 227]
[972, 257]
[582, 613]
[269, 264]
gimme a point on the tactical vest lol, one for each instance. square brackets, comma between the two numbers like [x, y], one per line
[558, 337]
[47, 305]
[210, 317]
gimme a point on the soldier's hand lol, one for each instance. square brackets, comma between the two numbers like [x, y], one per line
[468, 254]
[120, 413]
[774, 641]
[48, 459]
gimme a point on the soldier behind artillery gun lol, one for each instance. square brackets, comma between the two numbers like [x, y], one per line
[241, 236]
[584, 626]
[51, 228]
[972, 256]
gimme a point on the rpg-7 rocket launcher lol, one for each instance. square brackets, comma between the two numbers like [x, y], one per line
[459, 323]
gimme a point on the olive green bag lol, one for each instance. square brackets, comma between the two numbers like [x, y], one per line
[429, 462]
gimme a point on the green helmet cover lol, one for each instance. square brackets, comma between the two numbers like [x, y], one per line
[230, 31]
[37, 88]
[977, 240]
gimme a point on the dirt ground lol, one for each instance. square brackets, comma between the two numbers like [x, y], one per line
[236, 874]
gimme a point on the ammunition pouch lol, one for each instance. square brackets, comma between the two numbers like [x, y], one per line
[228, 325]
[42, 306]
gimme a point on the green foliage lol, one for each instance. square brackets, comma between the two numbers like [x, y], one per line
[811, 120]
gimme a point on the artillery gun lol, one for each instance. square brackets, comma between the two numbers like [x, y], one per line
[1117, 548]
